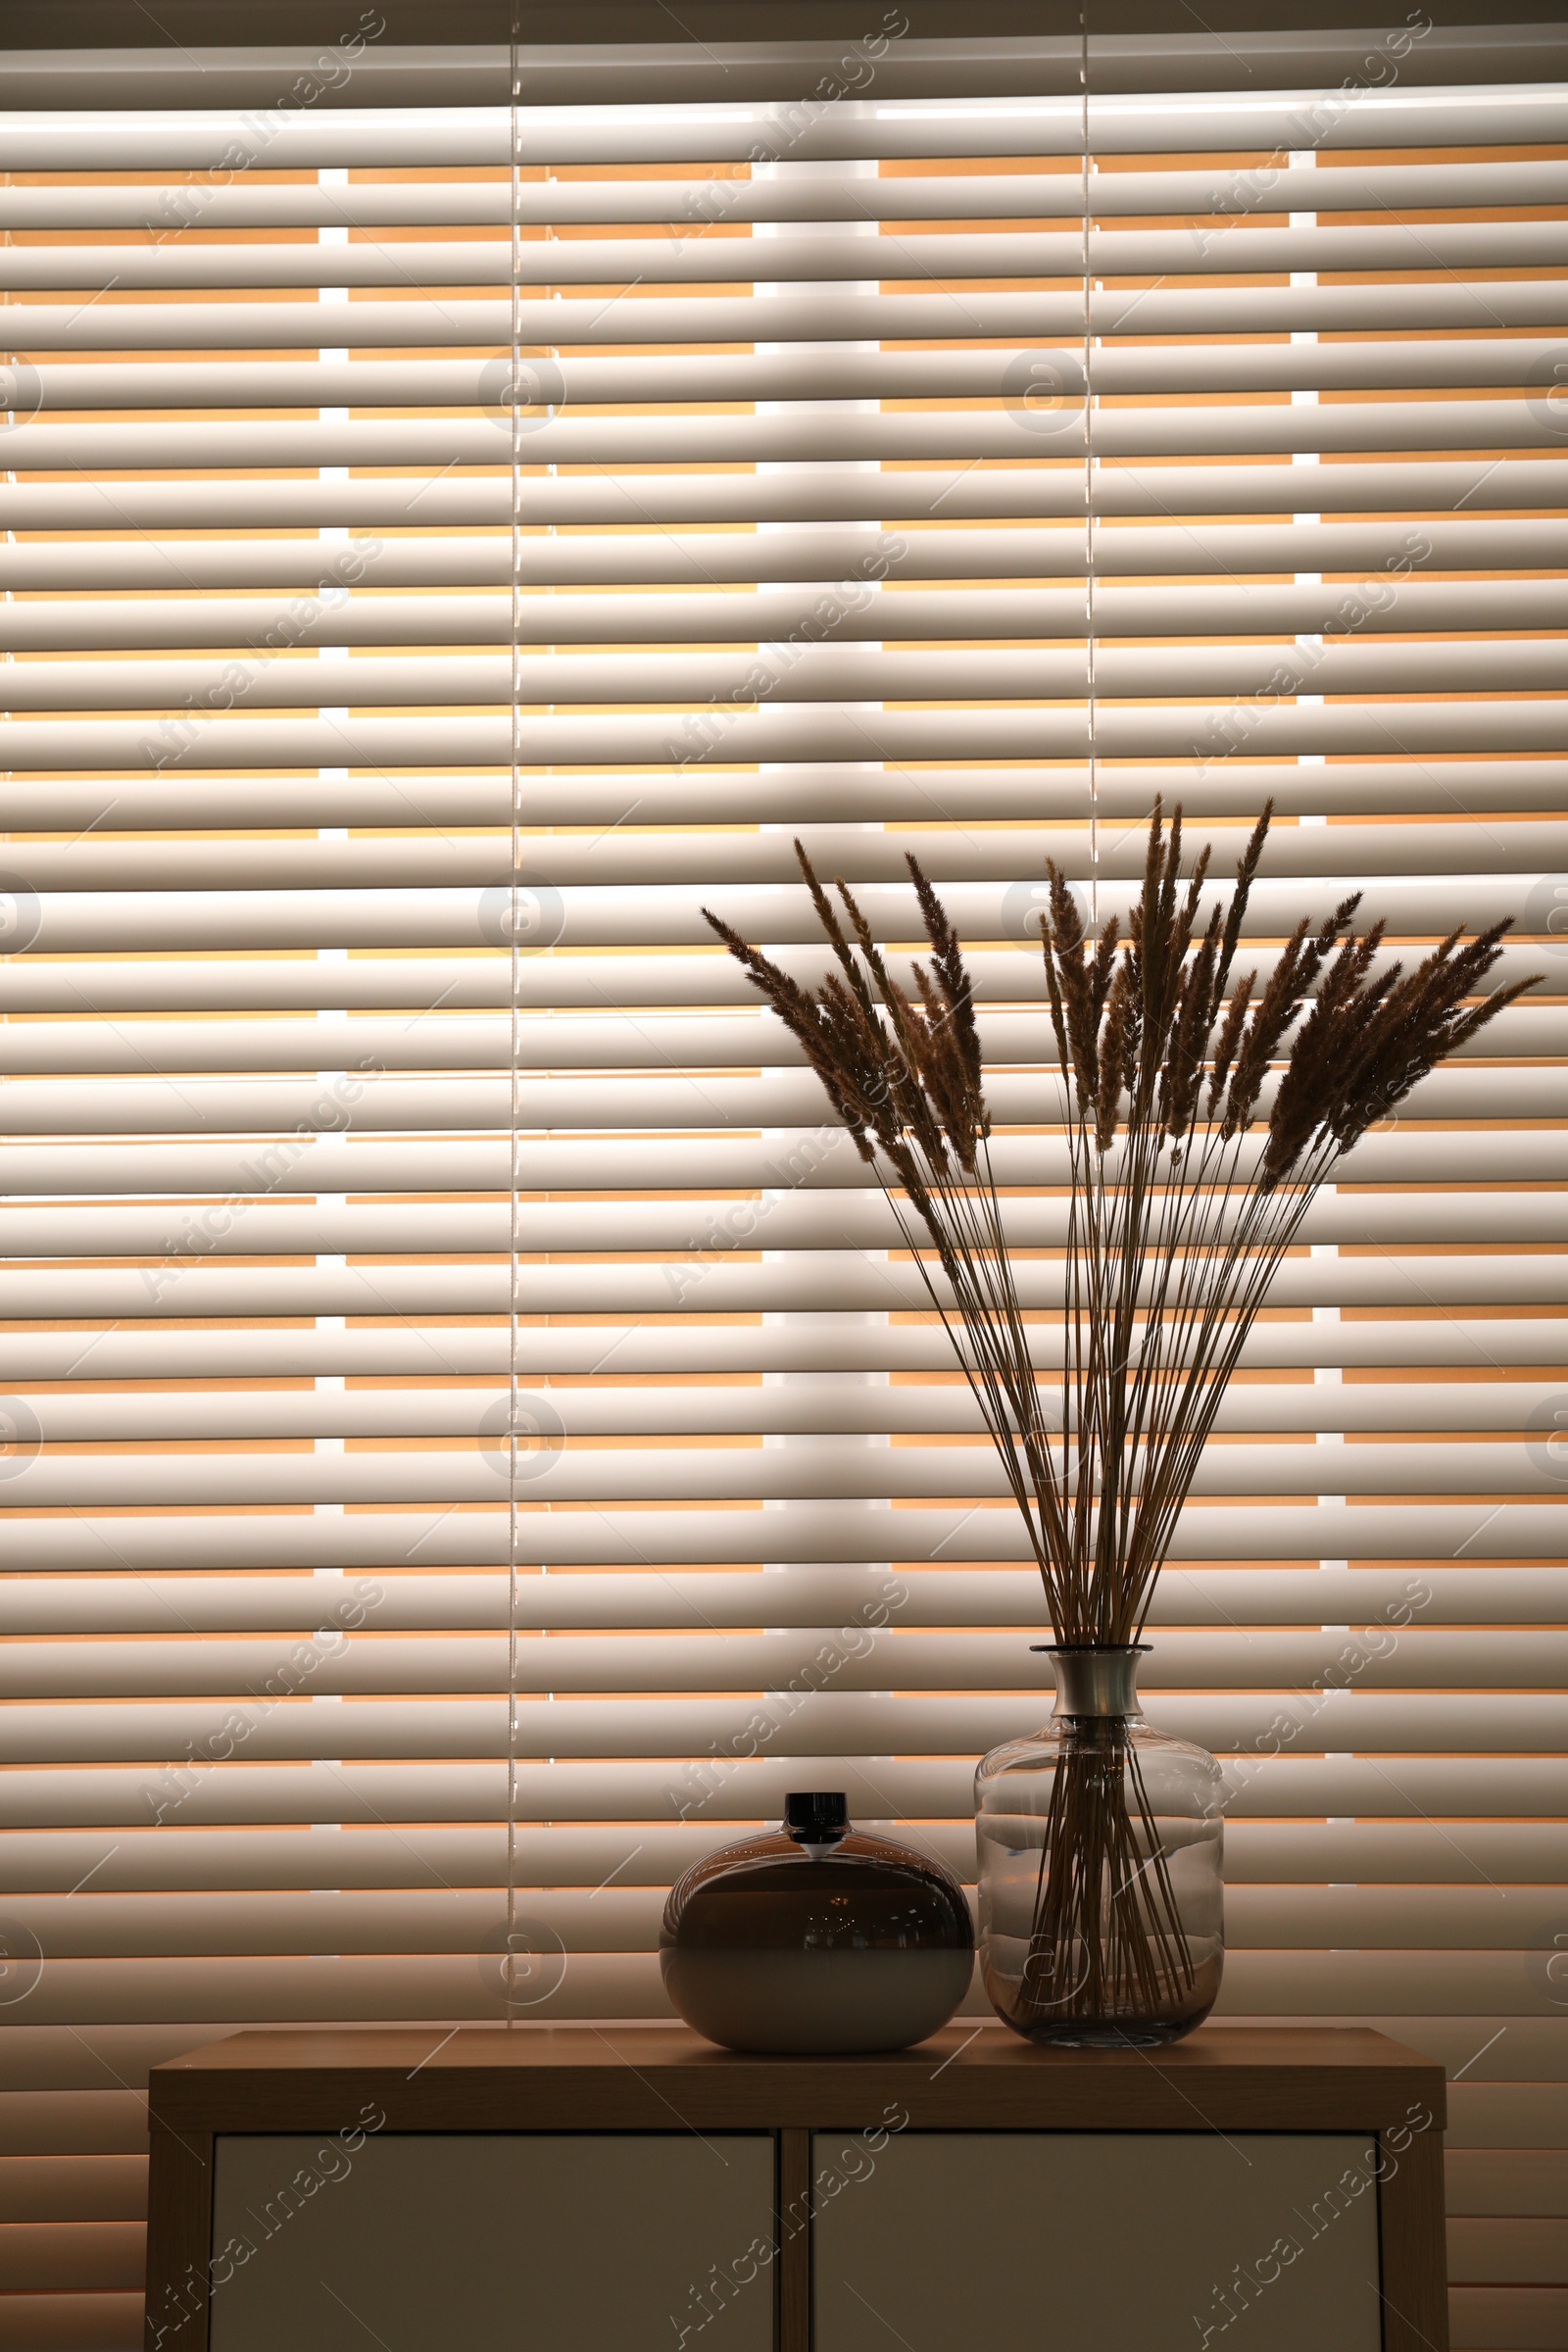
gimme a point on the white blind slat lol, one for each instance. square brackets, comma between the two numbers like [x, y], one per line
[712, 1599]
[433, 136]
[1023, 195]
[1271, 1854]
[1401, 1789]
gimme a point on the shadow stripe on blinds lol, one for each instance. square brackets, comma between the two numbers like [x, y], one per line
[423, 595]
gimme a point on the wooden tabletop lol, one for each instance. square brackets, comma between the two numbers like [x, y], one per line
[652, 2076]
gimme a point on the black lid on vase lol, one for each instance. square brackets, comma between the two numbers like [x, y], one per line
[816, 1817]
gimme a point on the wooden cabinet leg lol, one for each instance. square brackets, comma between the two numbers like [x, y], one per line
[794, 2241]
[179, 2230]
[1412, 2235]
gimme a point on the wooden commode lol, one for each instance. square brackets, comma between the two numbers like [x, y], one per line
[636, 2189]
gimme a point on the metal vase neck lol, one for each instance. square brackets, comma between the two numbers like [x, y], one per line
[1096, 1682]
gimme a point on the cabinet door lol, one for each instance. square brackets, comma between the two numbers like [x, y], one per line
[493, 2242]
[1080, 2241]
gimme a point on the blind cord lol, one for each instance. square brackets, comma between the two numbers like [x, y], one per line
[1089, 491]
[515, 938]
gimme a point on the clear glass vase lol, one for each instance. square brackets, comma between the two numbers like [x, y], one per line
[1101, 1900]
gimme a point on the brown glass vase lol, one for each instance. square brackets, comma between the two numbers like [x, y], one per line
[816, 1937]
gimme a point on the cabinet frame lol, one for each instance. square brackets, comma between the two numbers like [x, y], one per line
[541, 2078]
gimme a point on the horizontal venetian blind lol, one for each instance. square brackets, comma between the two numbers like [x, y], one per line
[473, 1439]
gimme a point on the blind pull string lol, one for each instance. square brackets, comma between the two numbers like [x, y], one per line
[515, 942]
[1089, 490]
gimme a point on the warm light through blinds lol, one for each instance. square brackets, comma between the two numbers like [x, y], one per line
[470, 1437]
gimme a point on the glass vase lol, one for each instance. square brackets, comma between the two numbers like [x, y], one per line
[1102, 1918]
